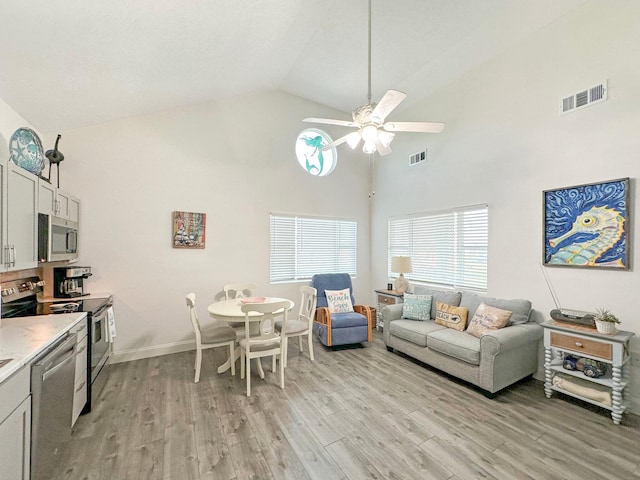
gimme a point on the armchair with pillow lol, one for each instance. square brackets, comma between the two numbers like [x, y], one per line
[338, 321]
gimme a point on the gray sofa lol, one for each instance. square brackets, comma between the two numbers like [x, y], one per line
[492, 362]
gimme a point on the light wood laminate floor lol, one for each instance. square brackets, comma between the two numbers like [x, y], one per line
[351, 414]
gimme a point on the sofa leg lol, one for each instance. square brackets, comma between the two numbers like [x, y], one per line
[389, 349]
[489, 395]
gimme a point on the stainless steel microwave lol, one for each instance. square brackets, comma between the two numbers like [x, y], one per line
[57, 239]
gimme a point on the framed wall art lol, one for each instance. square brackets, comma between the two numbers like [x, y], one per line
[587, 225]
[189, 230]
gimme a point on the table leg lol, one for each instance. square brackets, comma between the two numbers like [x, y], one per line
[227, 365]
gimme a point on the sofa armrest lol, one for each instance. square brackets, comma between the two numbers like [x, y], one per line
[389, 313]
[366, 311]
[510, 338]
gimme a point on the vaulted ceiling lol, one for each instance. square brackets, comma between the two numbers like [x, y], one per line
[73, 63]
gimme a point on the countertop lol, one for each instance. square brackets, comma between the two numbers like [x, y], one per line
[74, 299]
[22, 339]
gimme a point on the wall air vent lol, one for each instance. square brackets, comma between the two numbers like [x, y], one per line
[584, 98]
[418, 157]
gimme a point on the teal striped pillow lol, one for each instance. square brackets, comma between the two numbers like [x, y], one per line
[417, 307]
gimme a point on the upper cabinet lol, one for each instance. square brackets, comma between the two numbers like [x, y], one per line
[19, 218]
[56, 202]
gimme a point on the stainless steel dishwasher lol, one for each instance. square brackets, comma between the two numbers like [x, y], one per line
[52, 380]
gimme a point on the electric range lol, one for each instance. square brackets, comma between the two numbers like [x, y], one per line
[19, 299]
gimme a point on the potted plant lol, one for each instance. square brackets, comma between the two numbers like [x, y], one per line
[605, 321]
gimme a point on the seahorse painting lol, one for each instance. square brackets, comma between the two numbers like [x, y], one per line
[586, 225]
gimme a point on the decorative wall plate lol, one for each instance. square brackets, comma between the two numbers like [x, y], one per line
[26, 150]
[310, 155]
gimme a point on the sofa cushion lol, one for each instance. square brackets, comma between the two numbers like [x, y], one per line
[451, 317]
[339, 301]
[487, 319]
[348, 320]
[444, 296]
[416, 307]
[455, 344]
[414, 331]
[520, 309]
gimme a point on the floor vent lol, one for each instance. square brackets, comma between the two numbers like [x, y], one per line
[418, 157]
[584, 98]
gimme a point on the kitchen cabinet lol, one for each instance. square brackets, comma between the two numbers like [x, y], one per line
[19, 218]
[56, 202]
[15, 426]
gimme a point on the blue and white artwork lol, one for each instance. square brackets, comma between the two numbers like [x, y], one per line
[586, 225]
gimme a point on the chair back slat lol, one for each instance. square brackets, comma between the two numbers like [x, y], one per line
[238, 290]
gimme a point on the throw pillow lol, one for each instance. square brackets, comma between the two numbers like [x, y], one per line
[450, 316]
[416, 307]
[339, 301]
[487, 319]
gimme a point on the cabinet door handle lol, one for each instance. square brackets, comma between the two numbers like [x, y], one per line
[578, 344]
[13, 255]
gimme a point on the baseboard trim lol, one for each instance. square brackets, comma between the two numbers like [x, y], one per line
[152, 351]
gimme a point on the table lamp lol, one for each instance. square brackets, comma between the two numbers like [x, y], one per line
[401, 265]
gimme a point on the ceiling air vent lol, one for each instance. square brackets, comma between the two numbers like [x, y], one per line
[584, 98]
[418, 157]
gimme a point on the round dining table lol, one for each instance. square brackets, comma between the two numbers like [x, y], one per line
[230, 311]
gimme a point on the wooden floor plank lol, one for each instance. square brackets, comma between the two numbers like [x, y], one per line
[353, 413]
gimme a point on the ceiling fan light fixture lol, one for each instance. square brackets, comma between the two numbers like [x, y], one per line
[386, 138]
[353, 139]
[369, 147]
[369, 133]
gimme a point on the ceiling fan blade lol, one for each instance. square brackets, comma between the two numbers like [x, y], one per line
[424, 127]
[382, 150]
[335, 143]
[330, 121]
[386, 105]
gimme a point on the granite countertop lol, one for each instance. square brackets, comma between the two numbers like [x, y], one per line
[22, 339]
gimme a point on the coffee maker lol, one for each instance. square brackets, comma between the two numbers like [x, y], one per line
[68, 281]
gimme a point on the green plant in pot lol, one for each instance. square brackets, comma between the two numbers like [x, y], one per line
[605, 321]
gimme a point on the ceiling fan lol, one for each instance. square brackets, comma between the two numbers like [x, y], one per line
[369, 120]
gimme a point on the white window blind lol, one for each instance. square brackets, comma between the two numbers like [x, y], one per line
[304, 246]
[447, 248]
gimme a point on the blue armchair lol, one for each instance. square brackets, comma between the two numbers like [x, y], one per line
[340, 328]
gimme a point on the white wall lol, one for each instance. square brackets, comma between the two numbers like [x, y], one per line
[505, 143]
[232, 160]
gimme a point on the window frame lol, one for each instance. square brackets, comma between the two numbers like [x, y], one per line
[462, 233]
[341, 255]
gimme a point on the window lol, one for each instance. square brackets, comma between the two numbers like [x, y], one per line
[304, 246]
[447, 249]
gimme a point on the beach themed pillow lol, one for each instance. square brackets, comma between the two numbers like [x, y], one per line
[339, 301]
[417, 307]
[487, 319]
[451, 316]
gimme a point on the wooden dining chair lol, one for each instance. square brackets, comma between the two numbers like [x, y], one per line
[216, 335]
[238, 290]
[303, 325]
[265, 343]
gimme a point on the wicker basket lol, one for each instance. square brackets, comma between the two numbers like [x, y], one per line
[608, 328]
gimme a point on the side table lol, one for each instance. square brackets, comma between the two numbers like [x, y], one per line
[386, 297]
[588, 343]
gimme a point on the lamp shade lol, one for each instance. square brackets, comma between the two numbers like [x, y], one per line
[401, 264]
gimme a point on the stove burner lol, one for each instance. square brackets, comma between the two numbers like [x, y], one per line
[64, 307]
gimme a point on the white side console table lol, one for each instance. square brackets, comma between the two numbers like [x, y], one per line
[563, 338]
[386, 297]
